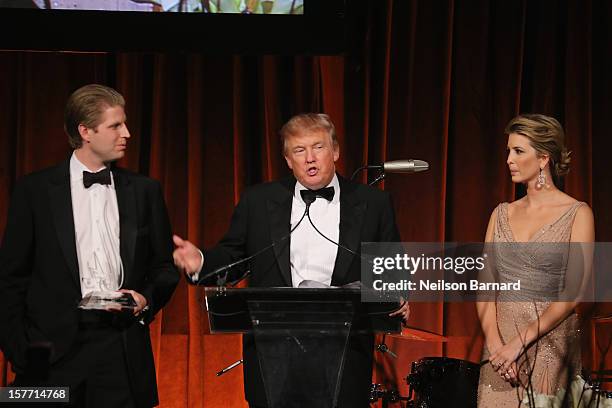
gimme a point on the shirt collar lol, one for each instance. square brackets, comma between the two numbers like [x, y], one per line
[77, 168]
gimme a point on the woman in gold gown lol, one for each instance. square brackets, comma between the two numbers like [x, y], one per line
[533, 347]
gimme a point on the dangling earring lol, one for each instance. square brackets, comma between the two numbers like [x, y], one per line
[541, 181]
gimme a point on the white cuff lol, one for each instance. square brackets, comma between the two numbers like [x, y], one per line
[196, 276]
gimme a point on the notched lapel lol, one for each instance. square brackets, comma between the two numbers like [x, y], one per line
[351, 218]
[279, 216]
[126, 201]
[60, 198]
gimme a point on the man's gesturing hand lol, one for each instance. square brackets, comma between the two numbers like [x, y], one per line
[186, 256]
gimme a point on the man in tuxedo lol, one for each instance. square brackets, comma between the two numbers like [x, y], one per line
[84, 226]
[345, 212]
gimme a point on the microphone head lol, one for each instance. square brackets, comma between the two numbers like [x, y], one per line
[405, 166]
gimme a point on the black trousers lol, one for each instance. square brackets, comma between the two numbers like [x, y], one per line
[94, 368]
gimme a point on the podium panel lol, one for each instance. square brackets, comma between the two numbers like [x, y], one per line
[301, 349]
[301, 336]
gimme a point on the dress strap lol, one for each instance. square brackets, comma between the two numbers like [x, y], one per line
[502, 228]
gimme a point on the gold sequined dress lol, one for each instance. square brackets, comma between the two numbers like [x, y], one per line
[554, 361]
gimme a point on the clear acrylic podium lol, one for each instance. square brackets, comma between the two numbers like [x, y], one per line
[301, 336]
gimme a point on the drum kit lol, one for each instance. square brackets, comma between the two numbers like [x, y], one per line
[596, 389]
[441, 382]
[433, 382]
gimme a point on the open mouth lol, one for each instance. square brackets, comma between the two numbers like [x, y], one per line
[312, 171]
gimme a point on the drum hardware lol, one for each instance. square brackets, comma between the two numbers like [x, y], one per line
[596, 387]
[229, 367]
[383, 348]
[598, 380]
[436, 382]
[416, 334]
[378, 392]
[599, 394]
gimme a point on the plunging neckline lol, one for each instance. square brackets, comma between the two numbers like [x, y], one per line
[541, 229]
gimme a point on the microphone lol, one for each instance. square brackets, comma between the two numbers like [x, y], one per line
[221, 279]
[405, 166]
[394, 166]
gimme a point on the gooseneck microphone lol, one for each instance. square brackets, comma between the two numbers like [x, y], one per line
[221, 280]
[394, 166]
[221, 272]
[339, 245]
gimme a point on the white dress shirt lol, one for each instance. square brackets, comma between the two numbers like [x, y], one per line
[311, 256]
[96, 225]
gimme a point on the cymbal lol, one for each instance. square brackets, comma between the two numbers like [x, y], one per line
[411, 333]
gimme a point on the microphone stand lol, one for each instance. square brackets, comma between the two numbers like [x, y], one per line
[377, 392]
[379, 177]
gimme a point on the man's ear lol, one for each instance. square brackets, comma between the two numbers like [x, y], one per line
[288, 162]
[84, 131]
[336, 151]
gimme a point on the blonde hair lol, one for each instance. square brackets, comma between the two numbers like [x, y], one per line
[307, 122]
[547, 137]
[85, 106]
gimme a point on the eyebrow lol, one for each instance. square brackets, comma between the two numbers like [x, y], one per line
[117, 123]
[304, 145]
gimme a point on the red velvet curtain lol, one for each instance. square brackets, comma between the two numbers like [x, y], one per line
[433, 80]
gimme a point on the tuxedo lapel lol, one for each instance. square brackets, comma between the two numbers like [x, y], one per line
[126, 201]
[279, 217]
[351, 217]
[60, 199]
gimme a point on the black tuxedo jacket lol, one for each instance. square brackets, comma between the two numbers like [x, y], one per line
[39, 277]
[263, 216]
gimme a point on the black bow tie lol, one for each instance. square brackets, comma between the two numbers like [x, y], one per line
[101, 177]
[310, 195]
